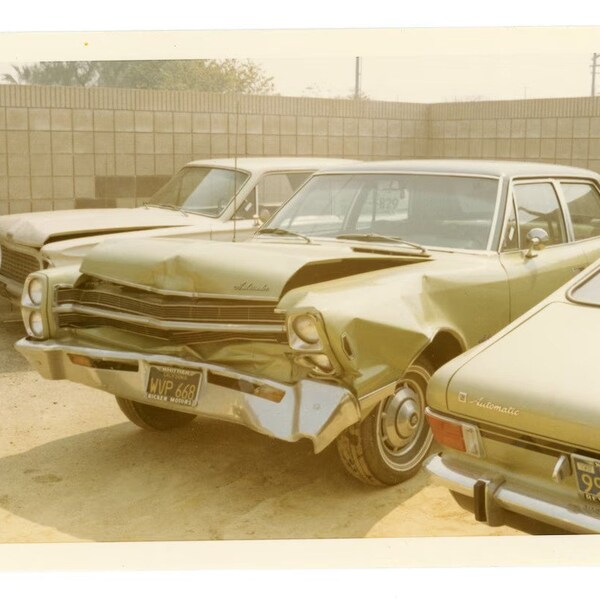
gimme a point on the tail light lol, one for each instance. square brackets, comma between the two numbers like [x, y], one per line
[454, 434]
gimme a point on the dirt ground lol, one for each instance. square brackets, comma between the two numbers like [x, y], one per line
[72, 468]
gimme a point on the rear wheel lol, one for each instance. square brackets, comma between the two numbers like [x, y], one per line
[389, 446]
[153, 418]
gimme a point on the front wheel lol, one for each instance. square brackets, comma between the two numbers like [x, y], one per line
[389, 446]
[153, 418]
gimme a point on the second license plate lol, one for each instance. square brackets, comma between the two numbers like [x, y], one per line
[587, 472]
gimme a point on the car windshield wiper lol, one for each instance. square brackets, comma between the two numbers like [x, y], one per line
[280, 231]
[376, 237]
[167, 206]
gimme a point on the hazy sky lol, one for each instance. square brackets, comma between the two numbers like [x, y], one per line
[411, 65]
[437, 78]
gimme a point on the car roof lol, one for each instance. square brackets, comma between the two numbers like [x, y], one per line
[470, 167]
[259, 164]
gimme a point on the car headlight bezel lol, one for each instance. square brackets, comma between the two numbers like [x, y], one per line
[33, 310]
[36, 325]
[35, 291]
[305, 331]
[305, 327]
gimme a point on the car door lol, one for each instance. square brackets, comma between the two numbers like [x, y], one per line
[537, 204]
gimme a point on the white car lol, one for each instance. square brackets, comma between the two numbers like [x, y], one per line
[221, 199]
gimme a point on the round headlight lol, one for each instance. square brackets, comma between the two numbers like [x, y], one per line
[322, 361]
[305, 328]
[36, 323]
[35, 290]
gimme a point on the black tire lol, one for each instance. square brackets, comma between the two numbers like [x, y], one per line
[153, 418]
[390, 444]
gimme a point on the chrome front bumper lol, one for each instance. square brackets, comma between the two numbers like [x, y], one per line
[493, 494]
[308, 409]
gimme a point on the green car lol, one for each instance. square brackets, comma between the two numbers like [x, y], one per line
[519, 417]
[330, 322]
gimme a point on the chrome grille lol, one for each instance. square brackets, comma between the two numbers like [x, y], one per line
[174, 337]
[16, 265]
[170, 308]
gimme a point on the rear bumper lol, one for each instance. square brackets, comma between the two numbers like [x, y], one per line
[308, 409]
[493, 494]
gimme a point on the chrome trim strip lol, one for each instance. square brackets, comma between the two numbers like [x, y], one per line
[166, 325]
[496, 216]
[162, 292]
[359, 171]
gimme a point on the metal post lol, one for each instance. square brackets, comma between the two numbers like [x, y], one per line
[594, 59]
[357, 77]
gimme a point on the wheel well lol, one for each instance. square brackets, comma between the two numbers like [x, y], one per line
[442, 348]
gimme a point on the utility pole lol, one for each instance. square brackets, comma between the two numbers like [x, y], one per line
[357, 77]
[595, 58]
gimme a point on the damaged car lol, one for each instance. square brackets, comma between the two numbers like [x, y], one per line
[518, 417]
[222, 199]
[329, 323]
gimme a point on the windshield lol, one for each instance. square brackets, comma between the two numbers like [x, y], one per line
[205, 190]
[434, 210]
[587, 292]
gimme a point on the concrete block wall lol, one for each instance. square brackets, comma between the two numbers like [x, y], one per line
[563, 130]
[59, 144]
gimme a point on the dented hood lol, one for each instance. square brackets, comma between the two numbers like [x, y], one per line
[538, 379]
[251, 269]
[37, 229]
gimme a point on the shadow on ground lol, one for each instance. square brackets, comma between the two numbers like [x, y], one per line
[514, 520]
[210, 480]
[10, 360]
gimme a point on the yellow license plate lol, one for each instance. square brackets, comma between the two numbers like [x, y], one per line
[587, 473]
[173, 385]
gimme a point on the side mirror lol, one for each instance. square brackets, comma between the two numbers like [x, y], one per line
[537, 238]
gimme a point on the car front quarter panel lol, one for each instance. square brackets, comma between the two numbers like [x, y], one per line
[377, 324]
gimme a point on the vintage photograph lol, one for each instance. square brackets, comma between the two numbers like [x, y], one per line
[270, 296]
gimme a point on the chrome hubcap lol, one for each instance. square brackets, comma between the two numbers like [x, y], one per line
[401, 419]
[403, 438]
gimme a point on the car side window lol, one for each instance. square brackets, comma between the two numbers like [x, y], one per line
[273, 189]
[538, 207]
[583, 202]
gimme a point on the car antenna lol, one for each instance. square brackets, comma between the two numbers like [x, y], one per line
[235, 157]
